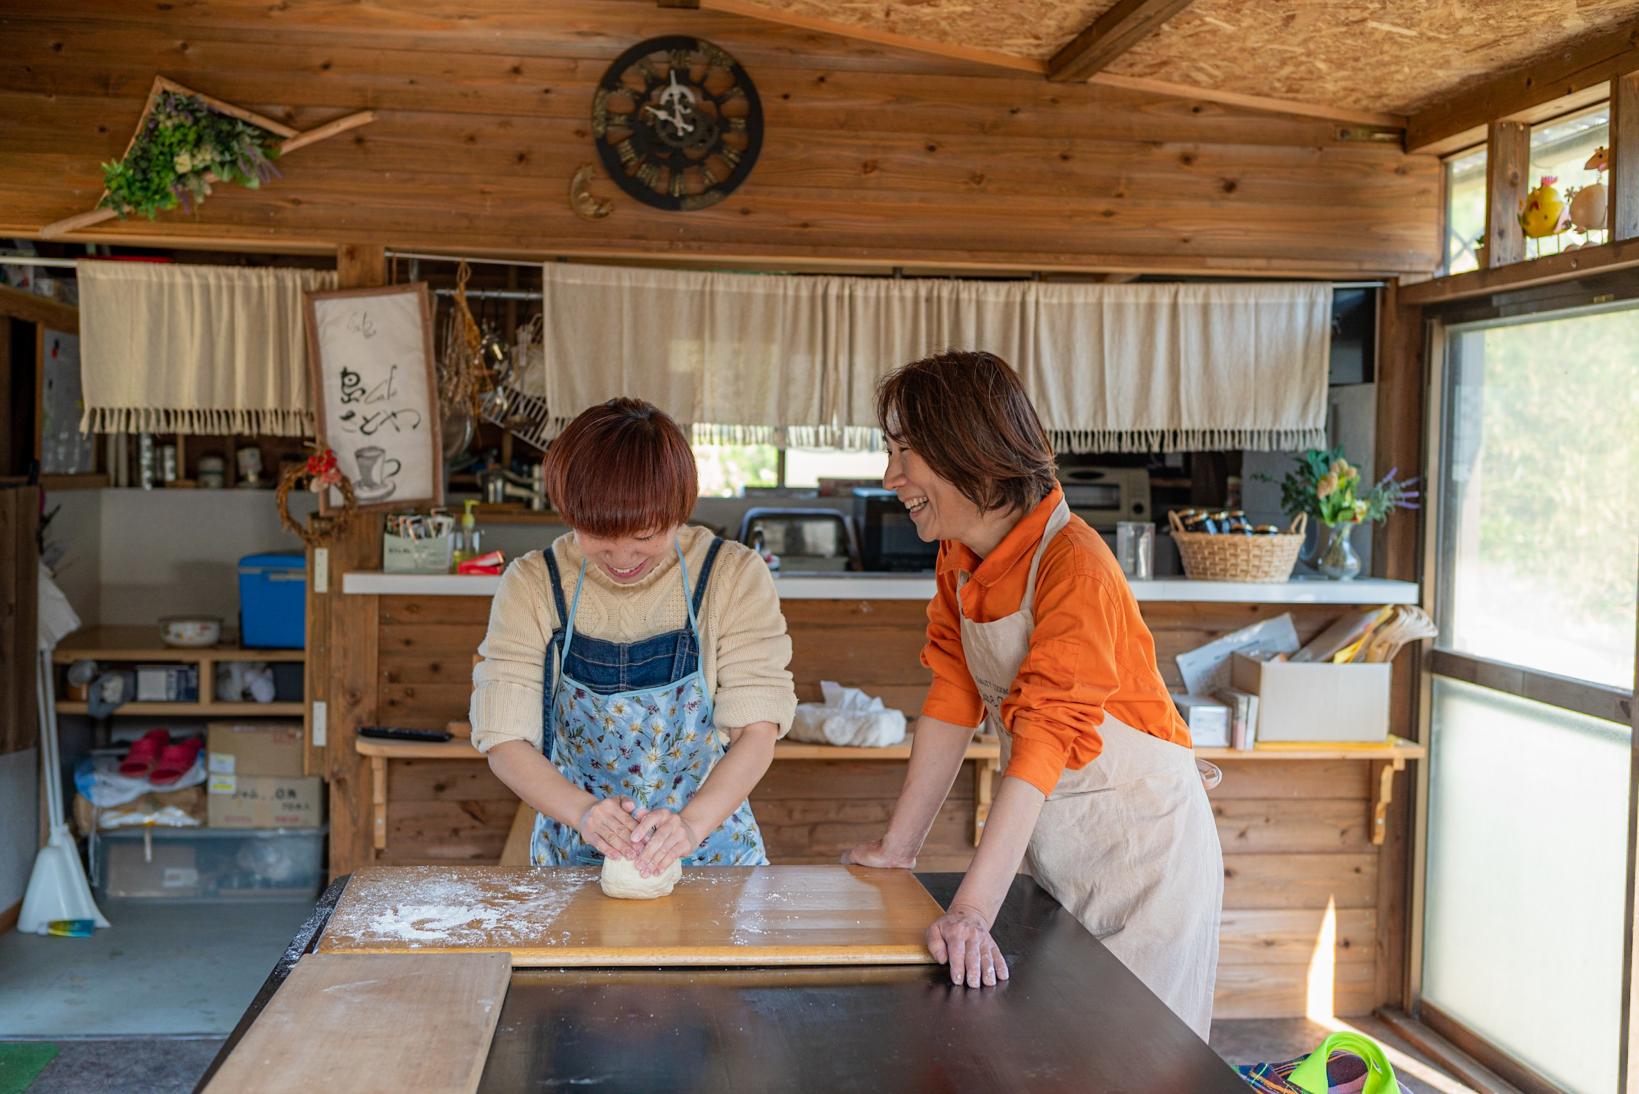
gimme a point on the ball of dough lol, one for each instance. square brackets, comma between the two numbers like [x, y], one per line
[620, 879]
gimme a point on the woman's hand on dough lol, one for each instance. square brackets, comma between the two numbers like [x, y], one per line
[608, 824]
[661, 838]
[961, 939]
[877, 854]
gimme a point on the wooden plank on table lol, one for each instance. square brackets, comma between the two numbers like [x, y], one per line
[771, 915]
[1300, 880]
[1291, 936]
[1287, 991]
[385, 1022]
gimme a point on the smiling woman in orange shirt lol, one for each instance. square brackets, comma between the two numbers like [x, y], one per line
[1034, 632]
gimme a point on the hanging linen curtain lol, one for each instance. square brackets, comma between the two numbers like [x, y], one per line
[195, 349]
[788, 359]
[743, 358]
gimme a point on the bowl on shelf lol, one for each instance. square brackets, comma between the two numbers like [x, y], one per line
[191, 631]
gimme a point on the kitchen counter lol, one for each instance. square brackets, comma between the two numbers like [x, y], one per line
[858, 586]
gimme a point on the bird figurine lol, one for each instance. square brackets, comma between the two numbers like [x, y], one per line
[1542, 212]
[1590, 206]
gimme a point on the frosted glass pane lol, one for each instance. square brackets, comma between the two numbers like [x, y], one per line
[1527, 837]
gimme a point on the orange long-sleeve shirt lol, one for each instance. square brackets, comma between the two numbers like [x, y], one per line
[1090, 651]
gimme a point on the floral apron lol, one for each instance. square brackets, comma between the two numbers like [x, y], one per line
[634, 719]
[1128, 843]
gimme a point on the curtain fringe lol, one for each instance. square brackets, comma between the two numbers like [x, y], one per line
[1078, 441]
[133, 419]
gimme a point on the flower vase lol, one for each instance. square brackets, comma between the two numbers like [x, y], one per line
[1337, 559]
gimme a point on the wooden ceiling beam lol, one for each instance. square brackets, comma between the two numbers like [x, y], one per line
[1109, 36]
[1565, 78]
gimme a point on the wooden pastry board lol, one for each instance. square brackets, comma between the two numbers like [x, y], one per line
[381, 1022]
[558, 917]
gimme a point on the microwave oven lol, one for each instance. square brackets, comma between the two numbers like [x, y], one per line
[887, 537]
[1104, 496]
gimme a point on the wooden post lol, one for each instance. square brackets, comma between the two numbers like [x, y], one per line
[342, 664]
[1507, 167]
[1624, 152]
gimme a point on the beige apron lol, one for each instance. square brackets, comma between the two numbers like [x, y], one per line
[1128, 843]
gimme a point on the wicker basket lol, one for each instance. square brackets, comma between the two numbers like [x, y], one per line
[1234, 557]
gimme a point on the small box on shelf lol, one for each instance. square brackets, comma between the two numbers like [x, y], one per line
[1316, 701]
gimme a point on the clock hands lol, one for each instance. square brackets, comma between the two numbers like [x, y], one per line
[679, 102]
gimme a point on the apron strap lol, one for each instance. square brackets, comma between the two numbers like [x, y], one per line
[556, 583]
[574, 606]
[705, 574]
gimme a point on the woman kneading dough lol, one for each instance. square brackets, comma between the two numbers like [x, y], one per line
[619, 659]
[1034, 630]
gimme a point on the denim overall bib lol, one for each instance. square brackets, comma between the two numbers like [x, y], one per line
[633, 719]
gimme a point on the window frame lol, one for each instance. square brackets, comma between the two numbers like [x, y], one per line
[1563, 299]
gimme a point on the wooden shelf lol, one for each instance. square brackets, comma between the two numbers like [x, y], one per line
[199, 710]
[143, 644]
[1583, 262]
[1395, 748]
[460, 748]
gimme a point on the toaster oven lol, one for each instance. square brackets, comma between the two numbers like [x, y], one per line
[887, 537]
[1104, 496]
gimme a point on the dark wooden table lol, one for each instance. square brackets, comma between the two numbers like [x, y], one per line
[1072, 1018]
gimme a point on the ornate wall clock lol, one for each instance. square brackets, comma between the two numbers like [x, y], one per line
[677, 123]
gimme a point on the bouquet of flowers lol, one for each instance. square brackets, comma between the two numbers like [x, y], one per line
[1328, 488]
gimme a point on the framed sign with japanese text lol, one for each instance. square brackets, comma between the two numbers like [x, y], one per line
[375, 393]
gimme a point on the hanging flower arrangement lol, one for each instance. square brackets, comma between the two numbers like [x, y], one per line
[184, 147]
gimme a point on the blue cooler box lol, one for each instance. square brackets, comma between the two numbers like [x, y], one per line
[273, 602]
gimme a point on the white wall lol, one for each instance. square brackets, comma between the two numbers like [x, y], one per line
[73, 547]
[168, 552]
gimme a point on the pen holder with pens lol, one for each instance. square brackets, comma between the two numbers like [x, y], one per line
[417, 545]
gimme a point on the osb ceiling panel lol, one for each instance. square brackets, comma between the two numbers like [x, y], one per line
[1379, 55]
[1029, 28]
[1393, 55]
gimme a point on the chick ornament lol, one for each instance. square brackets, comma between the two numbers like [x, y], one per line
[1542, 213]
[1590, 206]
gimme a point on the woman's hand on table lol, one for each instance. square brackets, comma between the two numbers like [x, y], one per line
[608, 825]
[661, 838]
[877, 854]
[961, 939]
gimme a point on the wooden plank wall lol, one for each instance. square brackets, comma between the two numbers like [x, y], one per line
[1295, 834]
[873, 156]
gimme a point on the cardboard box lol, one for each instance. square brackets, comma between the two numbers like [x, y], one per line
[1207, 719]
[264, 801]
[1316, 701]
[254, 748]
[133, 869]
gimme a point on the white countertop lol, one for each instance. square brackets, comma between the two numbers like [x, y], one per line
[852, 586]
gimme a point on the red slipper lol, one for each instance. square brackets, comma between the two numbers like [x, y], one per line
[139, 762]
[176, 761]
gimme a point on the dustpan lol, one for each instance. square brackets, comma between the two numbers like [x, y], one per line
[57, 889]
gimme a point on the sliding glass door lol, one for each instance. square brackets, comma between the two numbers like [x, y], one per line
[1537, 531]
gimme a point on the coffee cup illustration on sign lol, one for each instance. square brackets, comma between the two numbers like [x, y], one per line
[376, 473]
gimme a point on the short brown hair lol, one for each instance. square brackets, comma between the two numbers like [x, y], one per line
[966, 414]
[622, 468]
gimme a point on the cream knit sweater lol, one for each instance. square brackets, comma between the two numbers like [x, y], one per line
[743, 644]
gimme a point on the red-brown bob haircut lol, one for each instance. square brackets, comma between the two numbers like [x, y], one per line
[966, 414]
[622, 468]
